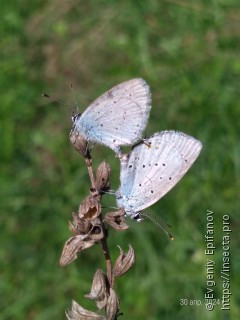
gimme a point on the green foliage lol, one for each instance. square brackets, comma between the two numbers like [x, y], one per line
[188, 51]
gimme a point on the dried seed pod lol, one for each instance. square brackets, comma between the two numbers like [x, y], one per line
[96, 232]
[116, 220]
[124, 262]
[90, 208]
[79, 143]
[79, 313]
[103, 174]
[112, 306]
[99, 290]
[79, 226]
[72, 247]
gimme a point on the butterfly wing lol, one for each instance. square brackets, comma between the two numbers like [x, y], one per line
[155, 167]
[119, 116]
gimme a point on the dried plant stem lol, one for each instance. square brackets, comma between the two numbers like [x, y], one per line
[88, 160]
[108, 259]
[104, 244]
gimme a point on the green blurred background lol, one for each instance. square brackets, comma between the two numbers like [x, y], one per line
[189, 53]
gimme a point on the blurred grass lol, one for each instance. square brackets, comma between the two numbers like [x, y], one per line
[188, 51]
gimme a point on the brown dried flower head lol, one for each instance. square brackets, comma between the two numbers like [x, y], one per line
[79, 143]
[89, 208]
[96, 232]
[100, 289]
[116, 220]
[73, 246]
[79, 226]
[124, 262]
[103, 174]
[79, 313]
[81, 242]
[112, 306]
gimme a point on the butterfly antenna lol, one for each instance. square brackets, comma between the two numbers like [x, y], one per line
[159, 223]
[76, 111]
[114, 208]
[92, 146]
[52, 99]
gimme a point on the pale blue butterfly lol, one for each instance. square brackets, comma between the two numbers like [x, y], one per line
[153, 168]
[118, 117]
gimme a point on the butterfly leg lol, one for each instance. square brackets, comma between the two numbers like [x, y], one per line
[90, 147]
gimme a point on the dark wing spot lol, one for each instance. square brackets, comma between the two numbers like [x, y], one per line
[170, 178]
[130, 166]
[160, 178]
[143, 165]
[140, 185]
[164, 164]
[101, 125]
[156, 164]
[186, 160]
[151, 191]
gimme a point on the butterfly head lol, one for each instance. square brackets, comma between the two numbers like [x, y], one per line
[75, 117]
[137, 216]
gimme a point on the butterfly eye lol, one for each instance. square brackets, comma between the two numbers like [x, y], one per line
[76, 117]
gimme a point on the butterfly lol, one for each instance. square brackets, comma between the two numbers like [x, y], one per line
[154, 167]
[118, 117]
